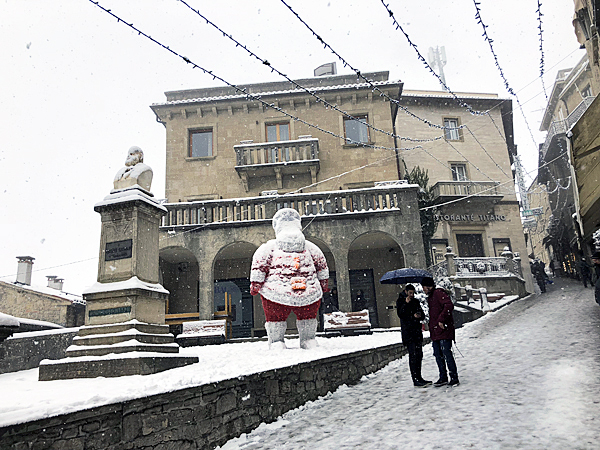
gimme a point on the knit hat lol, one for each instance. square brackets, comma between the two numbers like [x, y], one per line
[427, 281]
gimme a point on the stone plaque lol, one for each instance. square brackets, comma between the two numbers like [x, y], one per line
[110, 311]
[118, 250]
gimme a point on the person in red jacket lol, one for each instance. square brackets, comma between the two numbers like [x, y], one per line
[441, 331]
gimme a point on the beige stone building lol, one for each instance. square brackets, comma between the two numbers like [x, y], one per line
[335, 154]
[536, 225]
[44, 303]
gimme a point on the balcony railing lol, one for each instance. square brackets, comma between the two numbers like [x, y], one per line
[560, 127]
[481, 267]
[277, 159]
[277, 152]
[456, 189]
[237, 211]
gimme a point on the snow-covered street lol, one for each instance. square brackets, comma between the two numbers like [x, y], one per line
[530, 379]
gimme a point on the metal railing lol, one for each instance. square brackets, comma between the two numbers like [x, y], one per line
[230, 211]
[559, 127]
[277, 152]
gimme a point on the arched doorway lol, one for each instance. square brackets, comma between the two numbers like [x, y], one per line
[179, 275]
[231, 275]
[370, 256]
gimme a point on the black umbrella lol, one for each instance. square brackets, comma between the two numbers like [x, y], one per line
[407, 275]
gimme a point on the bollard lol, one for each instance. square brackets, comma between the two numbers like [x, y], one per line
[469, 292]
[485, 306]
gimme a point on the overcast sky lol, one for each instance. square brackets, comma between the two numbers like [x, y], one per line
[77, 86]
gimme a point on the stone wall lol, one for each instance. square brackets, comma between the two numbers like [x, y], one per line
[22, 353]
[201, 417]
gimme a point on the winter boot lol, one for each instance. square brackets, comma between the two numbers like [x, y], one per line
[454, 382]
[441, 382]
[307, 329]
[276, 334]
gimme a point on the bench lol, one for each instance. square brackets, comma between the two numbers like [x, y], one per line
[347, 323]
[202, 332]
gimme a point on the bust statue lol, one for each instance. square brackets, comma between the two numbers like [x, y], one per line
[135, 172]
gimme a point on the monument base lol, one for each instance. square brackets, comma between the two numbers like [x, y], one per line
[115, 350]
[126, 300]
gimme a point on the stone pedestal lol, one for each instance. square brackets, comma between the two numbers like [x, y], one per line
[125, 332]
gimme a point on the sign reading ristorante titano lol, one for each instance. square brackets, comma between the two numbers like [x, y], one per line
[470, 217]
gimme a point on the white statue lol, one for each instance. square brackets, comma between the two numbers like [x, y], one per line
[135, 172]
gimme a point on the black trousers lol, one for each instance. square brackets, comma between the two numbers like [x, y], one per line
[415, 358]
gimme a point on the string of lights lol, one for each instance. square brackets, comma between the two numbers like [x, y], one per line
[487, 153]
[361, 76]
[252, 96]
[539, 13]
[426, 64]
[299, 86]
[241, 90]
[348, 65]
[485, 190]
[497, 63]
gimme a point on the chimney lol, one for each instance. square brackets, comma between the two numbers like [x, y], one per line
[24, 269]
[54, 282]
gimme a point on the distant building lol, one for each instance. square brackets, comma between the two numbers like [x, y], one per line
[537, 221]
[231, 162]
[42, 303]
[572, 94]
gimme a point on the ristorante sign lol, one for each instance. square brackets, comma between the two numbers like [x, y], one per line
[470, 217]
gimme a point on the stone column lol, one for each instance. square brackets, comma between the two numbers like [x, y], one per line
[450, 261]
[342, 274]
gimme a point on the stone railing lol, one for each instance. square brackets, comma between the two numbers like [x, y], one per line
[277, 152]
[439, 270]
[238, 210]
[464, 188]
[507, 264]
[481, 267]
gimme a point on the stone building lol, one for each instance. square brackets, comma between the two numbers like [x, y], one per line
[584, 137]
[572, 94]
[44, 303]
[232, 161]
[536, 224]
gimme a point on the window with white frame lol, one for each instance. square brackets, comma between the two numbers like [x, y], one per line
[356, 130]
[452, 130]
[201, 143]
[459, 172]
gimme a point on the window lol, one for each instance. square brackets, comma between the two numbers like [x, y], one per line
[499, 244]
[452, 130]
[587, 91]
[201, 143]
[459, 172]
[469, 245]
[278, 132]
[356, 131]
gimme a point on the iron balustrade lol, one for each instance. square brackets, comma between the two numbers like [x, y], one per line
[248, 209]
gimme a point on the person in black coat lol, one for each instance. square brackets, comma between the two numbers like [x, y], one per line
[410, 314]
[596, 261]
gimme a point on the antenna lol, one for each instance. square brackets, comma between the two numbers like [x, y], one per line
[437, 58]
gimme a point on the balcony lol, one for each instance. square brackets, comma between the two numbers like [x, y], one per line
[250, 210]
[277, 159]
[444, 191]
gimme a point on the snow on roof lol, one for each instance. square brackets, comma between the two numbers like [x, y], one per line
[8, 321]
[256, 95]
[132, 283]
[128, 195]
[73, 298]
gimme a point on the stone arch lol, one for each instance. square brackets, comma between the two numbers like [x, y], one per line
[370, 256]
[231, 275]
[178, 268]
